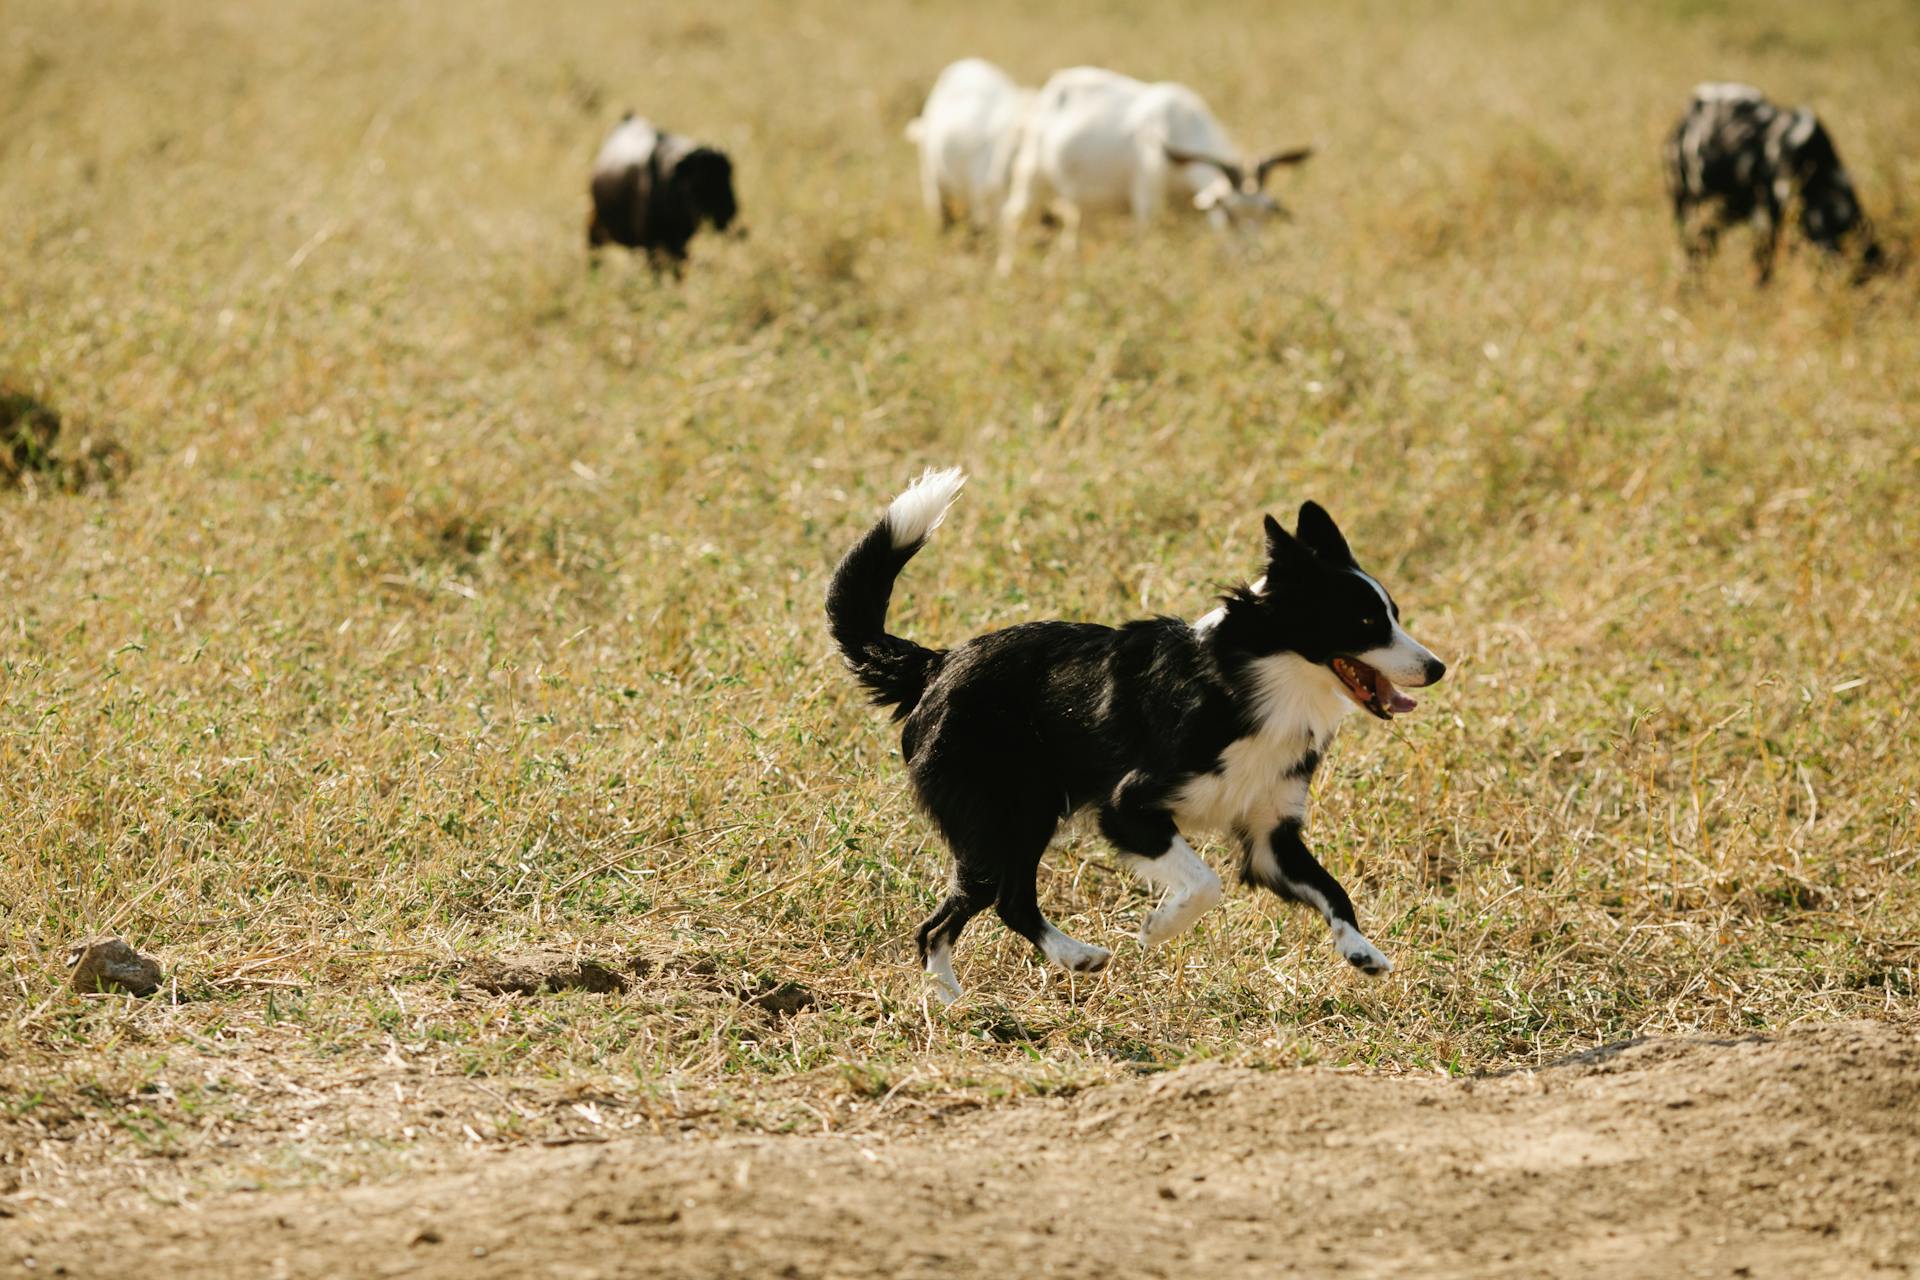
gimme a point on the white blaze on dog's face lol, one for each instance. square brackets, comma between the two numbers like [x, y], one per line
[1402, 659]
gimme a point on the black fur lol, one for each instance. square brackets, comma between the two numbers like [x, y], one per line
[1013, 731]
[1740, 158]
[655, 193]
[895, 670]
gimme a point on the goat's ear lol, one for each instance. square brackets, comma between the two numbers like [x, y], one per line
[1268, 163]
[1228, 168]
[1317, 531]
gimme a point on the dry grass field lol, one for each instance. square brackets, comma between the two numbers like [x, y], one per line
[450, 613]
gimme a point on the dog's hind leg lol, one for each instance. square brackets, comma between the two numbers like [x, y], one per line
[1281, 861]
[941, 930]
[1019, 905]
[1152, 848]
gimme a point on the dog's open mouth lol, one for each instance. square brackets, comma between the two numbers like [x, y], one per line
[1371, 689]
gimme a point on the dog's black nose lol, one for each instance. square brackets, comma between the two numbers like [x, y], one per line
[1435, 669]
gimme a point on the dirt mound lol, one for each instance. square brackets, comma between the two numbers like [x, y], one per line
[1783, 1157]
[531, 973]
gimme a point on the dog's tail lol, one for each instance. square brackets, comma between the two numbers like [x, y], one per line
[896, 670]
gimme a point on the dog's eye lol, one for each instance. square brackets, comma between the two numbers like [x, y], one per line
[1369, 621]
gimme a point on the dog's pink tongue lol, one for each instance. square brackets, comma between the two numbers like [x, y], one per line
[1394, 700]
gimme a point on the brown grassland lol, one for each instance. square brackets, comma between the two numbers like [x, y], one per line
[458, 603]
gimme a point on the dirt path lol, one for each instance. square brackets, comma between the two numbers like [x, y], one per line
[1791, 1156]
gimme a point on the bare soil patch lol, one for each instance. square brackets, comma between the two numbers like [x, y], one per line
[540, 972]
[1785, 1156]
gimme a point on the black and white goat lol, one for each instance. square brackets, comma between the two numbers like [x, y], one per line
[1739, 158]
[653, 189]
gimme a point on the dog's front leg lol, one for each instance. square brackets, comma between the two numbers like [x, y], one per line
[1281, 861]
[1152, 848]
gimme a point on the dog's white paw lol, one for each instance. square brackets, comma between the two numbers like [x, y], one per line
[1176, 915]
[1193, 889]
[1358, 952]
[940, 977]
[1073, 954]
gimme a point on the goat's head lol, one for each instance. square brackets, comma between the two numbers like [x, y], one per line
[1830, 213]
[706, 175]
[1235, 197]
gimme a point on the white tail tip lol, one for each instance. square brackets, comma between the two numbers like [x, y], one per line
[918, 512]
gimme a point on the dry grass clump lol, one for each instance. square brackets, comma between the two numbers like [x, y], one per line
[467, 604]
[33, 457]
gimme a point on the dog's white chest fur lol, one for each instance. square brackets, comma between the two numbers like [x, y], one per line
[1262, 778]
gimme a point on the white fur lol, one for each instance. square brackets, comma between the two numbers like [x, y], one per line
[1071, 953]
[1096, 140]
[918, 512]
[1404, 660]
[1192, 888]
[1214, 617]
[967, 134]
[1357, 951]
[946, 985]
[1299, 706]
[631, 142]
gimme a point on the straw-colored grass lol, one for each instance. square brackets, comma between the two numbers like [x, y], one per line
[460, 602]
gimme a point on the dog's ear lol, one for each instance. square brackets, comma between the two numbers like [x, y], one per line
[1322, 536]
[1284, 551]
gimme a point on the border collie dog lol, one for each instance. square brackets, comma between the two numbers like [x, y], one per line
[1161, 726]
[1743, 159]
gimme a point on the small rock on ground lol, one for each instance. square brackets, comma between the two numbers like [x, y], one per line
[111, 964]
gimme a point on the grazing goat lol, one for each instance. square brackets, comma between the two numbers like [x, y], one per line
[1747, 160]
[967, 133]
[1095, 139]
[652, 190]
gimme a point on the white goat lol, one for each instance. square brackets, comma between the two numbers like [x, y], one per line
[967, 133]
[1098, 140]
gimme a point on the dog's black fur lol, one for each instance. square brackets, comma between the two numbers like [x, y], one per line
[652, 190]
[1740, 158]
[1012, 732]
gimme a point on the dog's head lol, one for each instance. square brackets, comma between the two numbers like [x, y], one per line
[1317, 603]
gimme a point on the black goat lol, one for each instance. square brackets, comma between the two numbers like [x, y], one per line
[1747, 160]
[652, 190]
